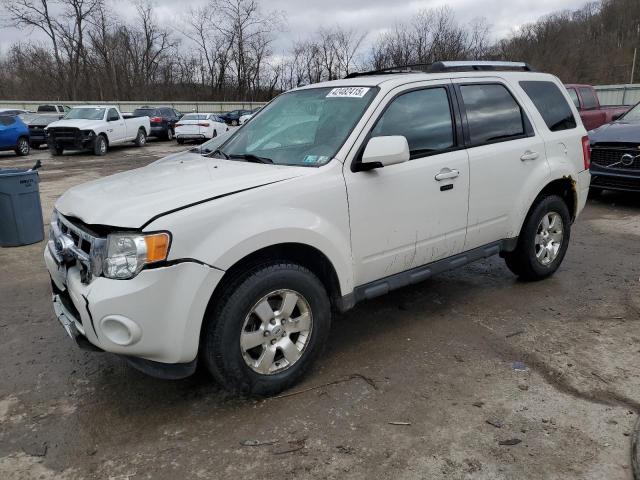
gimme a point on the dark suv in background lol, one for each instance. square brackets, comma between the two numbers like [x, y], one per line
[163, 120]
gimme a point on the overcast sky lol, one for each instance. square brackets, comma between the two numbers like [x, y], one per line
[373, 16]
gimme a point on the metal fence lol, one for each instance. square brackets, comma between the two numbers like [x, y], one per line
[184, 107]
[609, 95]
[619, 94]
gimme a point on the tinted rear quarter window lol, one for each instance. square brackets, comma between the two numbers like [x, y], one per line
[551, 103]
[493, 115]
[589, 99]
[574, 96]
[423, 117]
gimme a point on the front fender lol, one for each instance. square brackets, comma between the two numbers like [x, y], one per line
[312, 210]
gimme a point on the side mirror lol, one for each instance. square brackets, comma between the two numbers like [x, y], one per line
[385, 151]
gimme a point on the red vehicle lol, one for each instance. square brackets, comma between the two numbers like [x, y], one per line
[593, 115]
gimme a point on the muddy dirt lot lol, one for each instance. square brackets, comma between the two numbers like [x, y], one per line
[428, 382]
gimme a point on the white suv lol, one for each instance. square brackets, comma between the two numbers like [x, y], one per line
[334, 193]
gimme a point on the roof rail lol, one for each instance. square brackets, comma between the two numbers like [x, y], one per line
[478, 65]
[449, 66]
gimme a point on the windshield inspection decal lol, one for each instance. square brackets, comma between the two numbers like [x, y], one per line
[348, 92]
[315, 159]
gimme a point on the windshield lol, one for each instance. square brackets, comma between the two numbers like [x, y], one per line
[633, 115]
[303, 127]
[85, 114]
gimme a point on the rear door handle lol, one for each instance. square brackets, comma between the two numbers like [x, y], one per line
[447, 174]
[529, 155]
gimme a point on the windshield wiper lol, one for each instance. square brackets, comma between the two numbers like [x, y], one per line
[218, 152]
[249, 157]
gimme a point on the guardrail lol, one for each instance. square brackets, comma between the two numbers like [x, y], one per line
[618, 94]
[130, 106]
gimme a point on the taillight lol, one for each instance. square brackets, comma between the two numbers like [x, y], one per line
[203, 124]
[586, 152]
[178, 125]
[156, 119]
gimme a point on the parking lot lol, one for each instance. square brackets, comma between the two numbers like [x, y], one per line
[471, 374]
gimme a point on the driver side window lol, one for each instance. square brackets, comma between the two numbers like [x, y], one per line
[423, 117]
[113, 115]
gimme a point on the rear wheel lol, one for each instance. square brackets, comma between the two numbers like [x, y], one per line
[235, 123]
[22, 147]
[543, 241]
[141, 138]
[100, 146]
[266, 329]
[169, 134]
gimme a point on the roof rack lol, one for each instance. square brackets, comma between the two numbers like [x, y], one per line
[450, 66]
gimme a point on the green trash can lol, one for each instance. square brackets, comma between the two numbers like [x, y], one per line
[20, 209]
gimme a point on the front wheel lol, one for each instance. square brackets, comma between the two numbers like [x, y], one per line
[22, 147]
[100, 146]
[55, 150]
[266, 329]
[543, 241]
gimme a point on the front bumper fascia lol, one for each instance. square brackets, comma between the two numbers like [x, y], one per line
[165, 306]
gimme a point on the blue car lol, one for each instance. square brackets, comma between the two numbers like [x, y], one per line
[14, 134]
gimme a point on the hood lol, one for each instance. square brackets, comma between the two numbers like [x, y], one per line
[79, 123]
[130, 199]
[616, 132]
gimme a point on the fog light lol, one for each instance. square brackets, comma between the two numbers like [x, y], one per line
[121, 330]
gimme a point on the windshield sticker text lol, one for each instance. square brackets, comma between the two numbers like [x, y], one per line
[348, 92]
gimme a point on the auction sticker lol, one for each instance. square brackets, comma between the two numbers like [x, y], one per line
[348, 92]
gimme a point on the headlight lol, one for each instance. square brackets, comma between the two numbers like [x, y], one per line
[128, 253]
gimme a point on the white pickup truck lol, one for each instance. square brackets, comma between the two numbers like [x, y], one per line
[96, 127]
[334, 193]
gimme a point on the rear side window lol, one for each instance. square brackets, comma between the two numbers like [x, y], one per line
[551, 104]
[493, 115]
[574, 96]
[589, 99]
[46, 108]
[423, 117]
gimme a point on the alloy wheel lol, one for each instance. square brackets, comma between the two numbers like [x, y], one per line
[276, 332]
[549, 237]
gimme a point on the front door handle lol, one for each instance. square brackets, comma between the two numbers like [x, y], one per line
[529, 155]
[447, 174]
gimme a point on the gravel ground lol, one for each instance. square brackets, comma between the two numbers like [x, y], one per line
[470, 375]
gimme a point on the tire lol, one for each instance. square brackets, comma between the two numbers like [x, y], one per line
[169, 135]
[215, 134]
[100, 146]
[235, 123]
[55, 150]
[180, 140]
[233, 316]
[532, 261]
[22, 147]
[141, 138]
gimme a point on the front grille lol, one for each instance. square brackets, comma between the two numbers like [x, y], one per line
[618, 158]
[65, 134]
